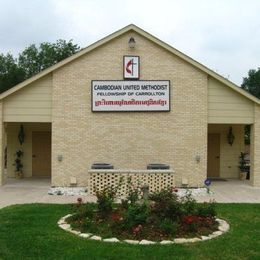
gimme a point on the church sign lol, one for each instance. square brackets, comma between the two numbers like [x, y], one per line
[130, 95]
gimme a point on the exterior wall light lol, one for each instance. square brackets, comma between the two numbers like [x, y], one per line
[197, 158]
[21, 135]
[230, 136]
[131, 43]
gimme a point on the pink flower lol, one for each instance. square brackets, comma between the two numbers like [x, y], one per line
[137, 229]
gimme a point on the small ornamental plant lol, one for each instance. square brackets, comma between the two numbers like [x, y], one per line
[18, 163]
[105, 199]
[164, 215]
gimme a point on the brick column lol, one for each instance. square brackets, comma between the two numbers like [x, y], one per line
[255, 149]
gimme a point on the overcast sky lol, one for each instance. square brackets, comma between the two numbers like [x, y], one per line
[224, 35]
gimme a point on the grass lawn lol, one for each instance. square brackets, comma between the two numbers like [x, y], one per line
[31, 231]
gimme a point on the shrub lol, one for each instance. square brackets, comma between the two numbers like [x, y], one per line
[105, 199]
[89, 210]
[207, 209]
[189, 205]
[136, 214]
[124, 204]
[82, 211]
[165, 204]
[88, 225]
[169, 227]
[133, 194]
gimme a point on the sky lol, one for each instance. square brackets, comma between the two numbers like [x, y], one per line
[224, 35]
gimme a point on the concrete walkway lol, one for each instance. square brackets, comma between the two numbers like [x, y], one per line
[36, 191]
[32, 190]
[232, 191]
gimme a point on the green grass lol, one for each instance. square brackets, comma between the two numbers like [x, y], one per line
[31, 232]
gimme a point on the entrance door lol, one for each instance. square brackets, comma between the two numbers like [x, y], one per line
[41, 153]
[213, 155]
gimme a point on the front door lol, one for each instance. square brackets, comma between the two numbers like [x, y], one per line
[41, 153]
[213, 155]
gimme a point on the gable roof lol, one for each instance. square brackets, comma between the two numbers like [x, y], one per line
[145, 34]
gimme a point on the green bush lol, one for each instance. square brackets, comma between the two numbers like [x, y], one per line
[136, 214]
[165, 204]
[88, 225]
[189, 206]
[133, 194]
[105, 200]
[84, 214]
[169, 227]
[207, 209]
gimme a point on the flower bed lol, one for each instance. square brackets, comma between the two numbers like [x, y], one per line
[163, 216]
[222, 228]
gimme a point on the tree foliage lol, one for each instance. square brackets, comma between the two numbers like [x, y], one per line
[251, 83]
[10, 73]
[33, 60]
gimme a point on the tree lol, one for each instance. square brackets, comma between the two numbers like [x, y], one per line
[252, 85]
[10, 73]
[33, 60]
[252, 82]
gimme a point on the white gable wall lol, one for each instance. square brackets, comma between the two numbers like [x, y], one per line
[30, 104]
[225, 106]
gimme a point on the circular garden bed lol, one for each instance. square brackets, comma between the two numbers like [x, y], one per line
[162, 217]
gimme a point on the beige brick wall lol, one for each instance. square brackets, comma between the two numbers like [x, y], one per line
[255, 149]
[129, 140]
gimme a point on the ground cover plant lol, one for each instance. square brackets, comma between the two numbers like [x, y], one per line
[162, 216]
[30, 231]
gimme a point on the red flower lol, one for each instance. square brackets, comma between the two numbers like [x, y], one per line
[115, 216]
[174, 189]
[190, 219]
